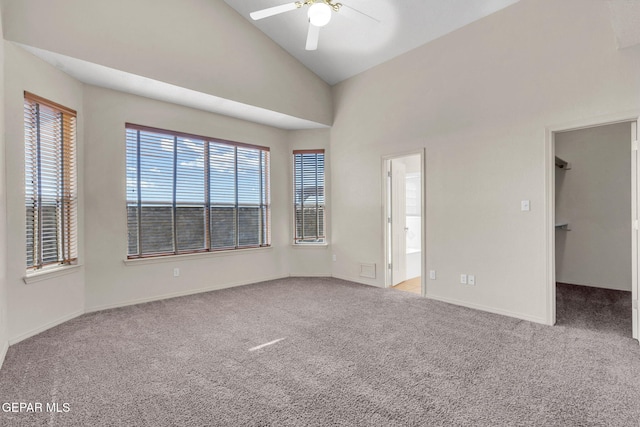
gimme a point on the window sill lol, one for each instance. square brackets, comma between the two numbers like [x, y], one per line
[199, 255]
[50, 273]
[310, 245]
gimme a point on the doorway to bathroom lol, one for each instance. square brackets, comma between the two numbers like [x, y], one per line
[404, 222]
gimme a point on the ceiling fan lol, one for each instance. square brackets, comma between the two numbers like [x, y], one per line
[319, 15]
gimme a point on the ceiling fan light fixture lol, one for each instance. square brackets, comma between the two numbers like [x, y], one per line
[319, 14]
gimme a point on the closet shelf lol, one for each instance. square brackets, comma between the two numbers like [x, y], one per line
[562, 164]
[563, 226]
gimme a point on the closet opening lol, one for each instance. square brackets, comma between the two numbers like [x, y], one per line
[404, 223]
[595, 243]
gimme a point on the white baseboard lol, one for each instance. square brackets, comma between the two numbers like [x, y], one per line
[361, 280]
[480, 307]
[493, 310]
[310, 275]
[36, 331]
[3, 352]
[180, 294]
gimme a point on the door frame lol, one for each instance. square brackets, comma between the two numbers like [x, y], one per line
[386, 206]
[550, 131]
[398, 232]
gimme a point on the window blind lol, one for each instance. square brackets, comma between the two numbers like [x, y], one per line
[50, 183]
[309, 199]
[188, 193]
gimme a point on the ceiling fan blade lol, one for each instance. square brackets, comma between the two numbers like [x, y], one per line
[356, 15]
[312, 37]
[270, 11]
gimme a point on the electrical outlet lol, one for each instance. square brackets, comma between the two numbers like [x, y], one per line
[334, 257]
[463, 279]
[525, 206]
[176, 272]
[471, 279]
[432, 274]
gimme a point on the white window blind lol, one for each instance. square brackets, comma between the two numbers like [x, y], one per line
[309, 199]
[188, 193]
[50, 183]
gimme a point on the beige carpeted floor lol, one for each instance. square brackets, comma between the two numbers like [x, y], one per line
[322, 352]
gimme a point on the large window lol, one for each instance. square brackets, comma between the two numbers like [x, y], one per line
[188, 193]
[308, 197]
[50, 183]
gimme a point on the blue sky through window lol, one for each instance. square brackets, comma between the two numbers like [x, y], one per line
[160, 153]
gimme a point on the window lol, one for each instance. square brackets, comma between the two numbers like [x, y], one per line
[188, 193]
[308, 197]
[50, 183]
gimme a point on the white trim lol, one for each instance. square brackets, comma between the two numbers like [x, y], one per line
[423, 219]
[549, 224]
[50, 273]
[549, 162]
[606, 119]
[357, 280]
[3, 352]
[45, 327]
[385, 171]
[198, 255]
[182, 293]
[422, 152]
[481, 307]
[318, 275]
[310, 245]
[634, 230]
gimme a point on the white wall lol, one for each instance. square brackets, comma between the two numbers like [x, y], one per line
[594, 196]
[310, 260]
[202, 45]
[234, 60]
[36, 306]
[111, 282]
[4, 330]
[479, 100]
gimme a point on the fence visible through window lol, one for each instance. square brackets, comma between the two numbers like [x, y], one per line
[188, 194]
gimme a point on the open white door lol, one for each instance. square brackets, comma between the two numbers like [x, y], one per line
[635, 179]
[398, 222]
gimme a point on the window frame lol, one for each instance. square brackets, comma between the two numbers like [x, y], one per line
[264, 206]
[66, 176]
[321, 238]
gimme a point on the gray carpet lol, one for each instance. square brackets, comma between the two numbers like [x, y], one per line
[348, 355]
[595, 309]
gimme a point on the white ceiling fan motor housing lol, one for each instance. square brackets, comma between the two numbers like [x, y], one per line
[319, 14]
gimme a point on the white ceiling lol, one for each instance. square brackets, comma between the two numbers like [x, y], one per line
[625, 18]
[346, 47]
[350, 46]
[110, 78]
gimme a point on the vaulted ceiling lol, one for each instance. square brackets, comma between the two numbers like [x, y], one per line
[349, 45]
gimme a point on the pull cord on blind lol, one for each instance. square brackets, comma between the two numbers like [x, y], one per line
[50, 183]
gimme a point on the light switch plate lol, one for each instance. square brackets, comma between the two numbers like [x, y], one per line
[525, 206]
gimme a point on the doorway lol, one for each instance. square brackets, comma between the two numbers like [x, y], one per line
[594, 243]
[404, 222]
